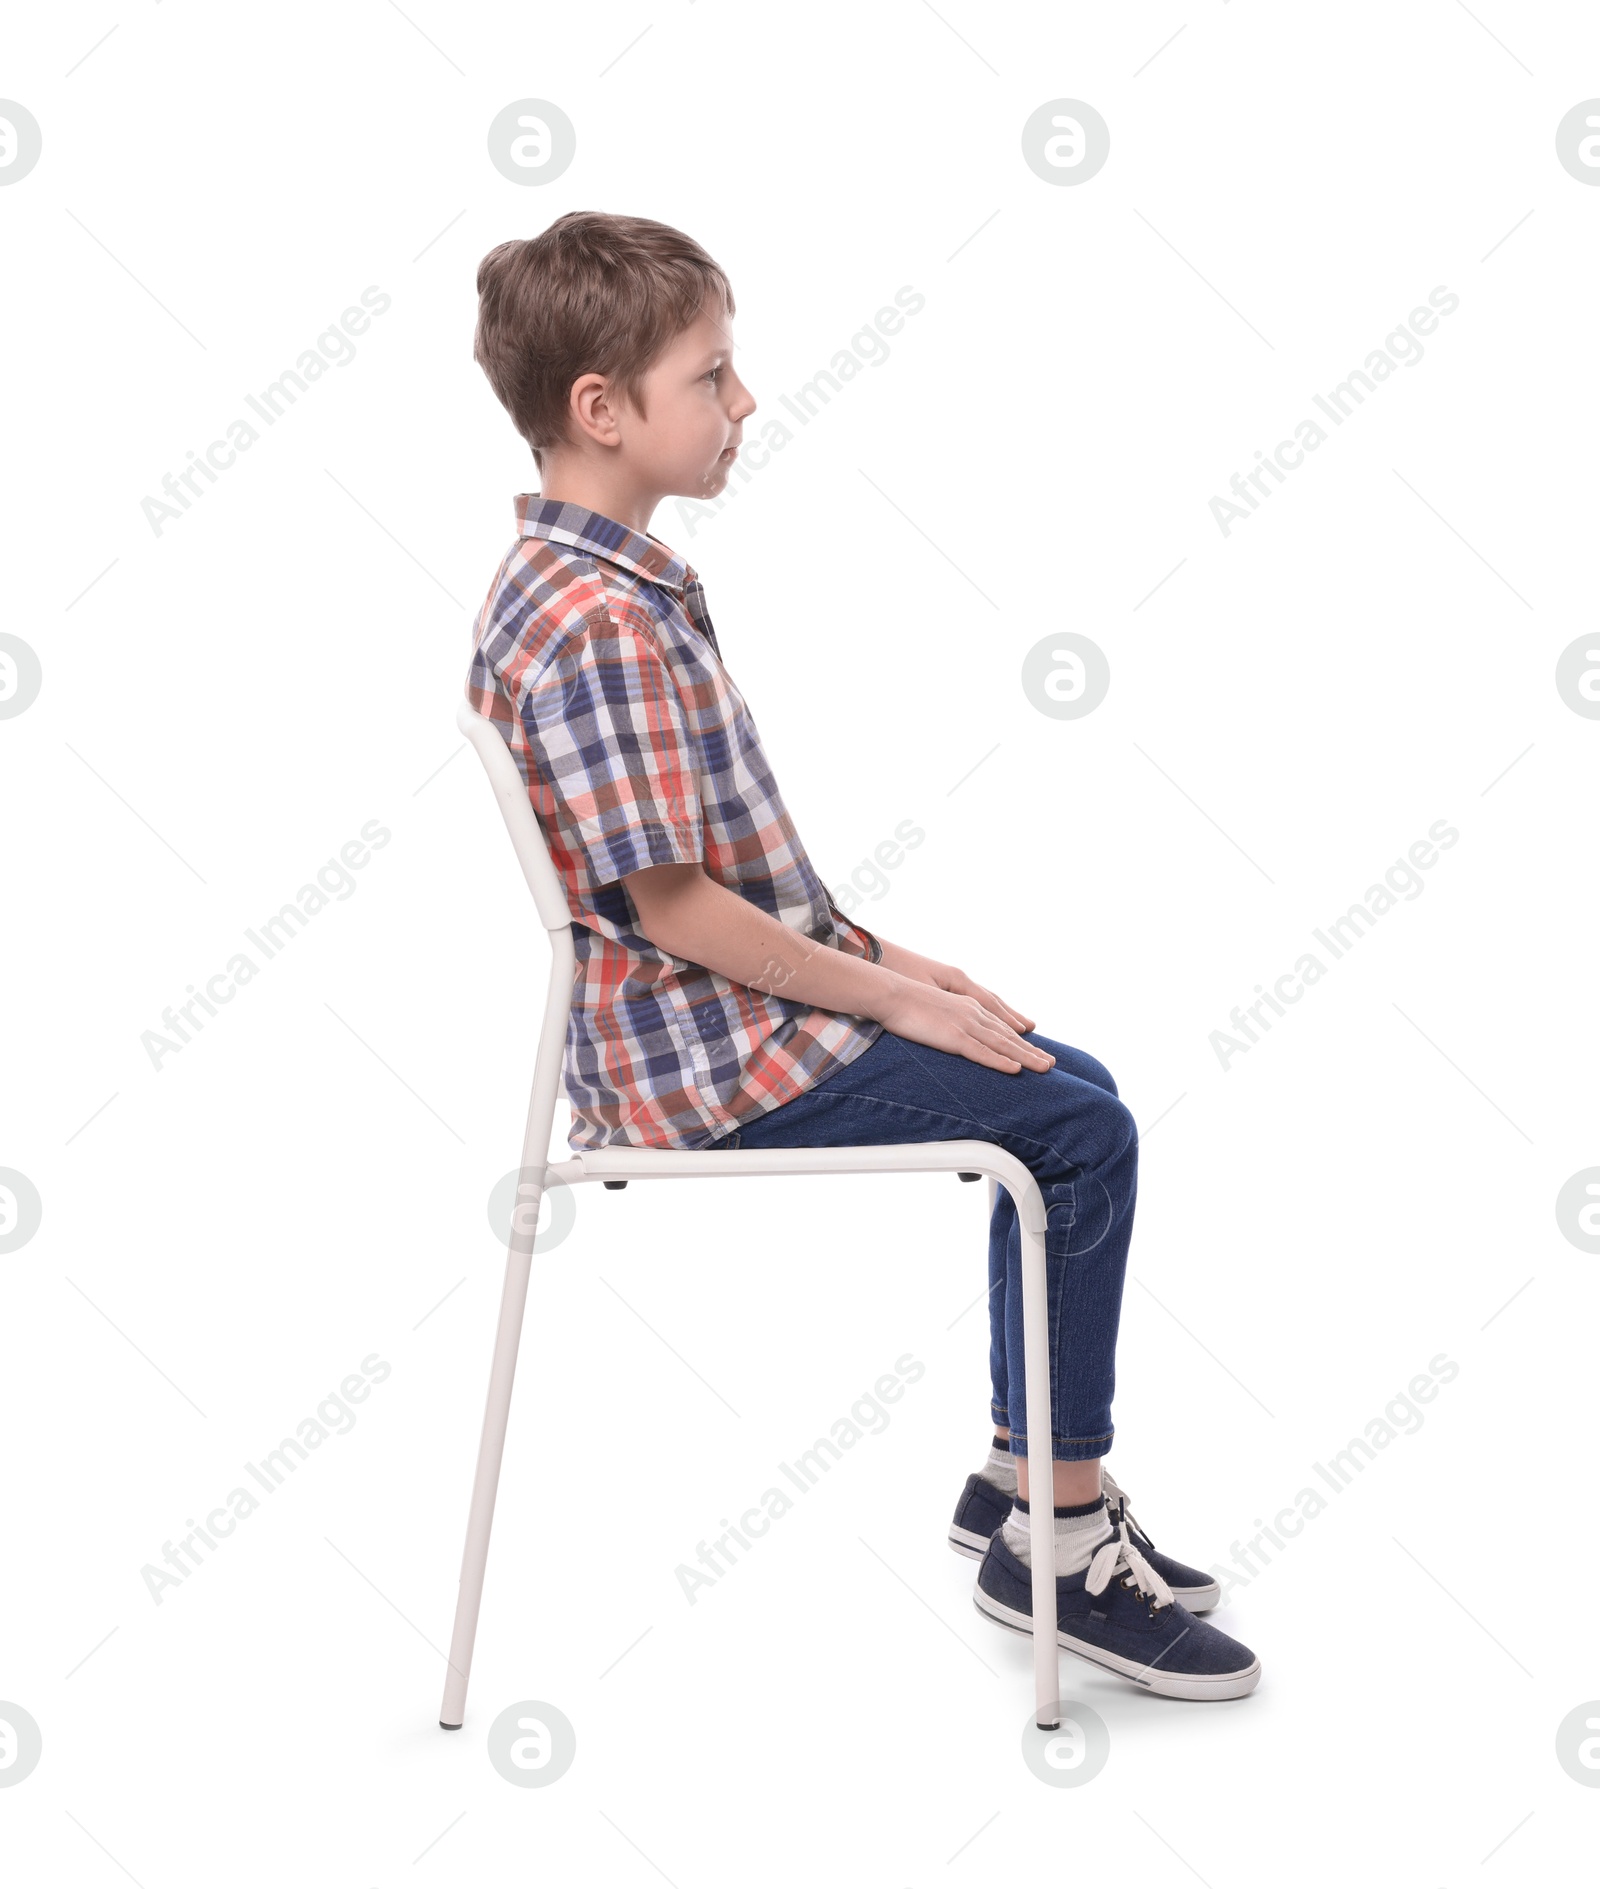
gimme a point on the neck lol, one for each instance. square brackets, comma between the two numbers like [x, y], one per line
[598, 489]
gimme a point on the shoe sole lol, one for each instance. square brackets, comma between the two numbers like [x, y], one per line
[1170, 1685]
[1199, 1600]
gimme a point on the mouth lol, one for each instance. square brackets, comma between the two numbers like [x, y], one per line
[729, 452]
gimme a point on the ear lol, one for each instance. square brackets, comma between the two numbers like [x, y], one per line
[590, 405]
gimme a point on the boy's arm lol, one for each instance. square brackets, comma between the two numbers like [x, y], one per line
[692, 916]
[684, 912]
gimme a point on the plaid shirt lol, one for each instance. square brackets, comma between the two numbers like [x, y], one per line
[595, 656]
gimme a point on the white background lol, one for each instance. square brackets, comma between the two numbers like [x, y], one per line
[225, 703]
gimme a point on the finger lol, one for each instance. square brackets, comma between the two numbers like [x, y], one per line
[1025, 1054]
[1012, 1016]
[1001, 1017]
[976, 1052]
[1023, 1023]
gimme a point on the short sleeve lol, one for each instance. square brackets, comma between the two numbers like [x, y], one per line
[610, 729]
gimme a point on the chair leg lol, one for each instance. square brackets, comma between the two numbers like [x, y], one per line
[1041, 1479]
[480, 1517]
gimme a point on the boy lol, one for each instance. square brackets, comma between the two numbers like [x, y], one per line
[722, 999]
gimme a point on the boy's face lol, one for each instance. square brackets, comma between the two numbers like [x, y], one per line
[696, 404]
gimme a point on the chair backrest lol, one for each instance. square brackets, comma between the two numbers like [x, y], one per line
[522, 823]
[550, 899]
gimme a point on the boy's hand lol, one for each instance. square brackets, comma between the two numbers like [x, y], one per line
[923, 970]
[968, 1021]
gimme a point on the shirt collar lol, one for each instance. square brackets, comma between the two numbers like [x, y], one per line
[635, 551]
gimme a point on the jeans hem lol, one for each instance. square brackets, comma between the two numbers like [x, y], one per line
[1066, 1449]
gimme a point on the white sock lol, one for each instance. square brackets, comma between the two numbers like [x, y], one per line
[1079, 1531]
[1000, 1469]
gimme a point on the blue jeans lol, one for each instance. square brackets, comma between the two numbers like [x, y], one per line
[1079, 1142]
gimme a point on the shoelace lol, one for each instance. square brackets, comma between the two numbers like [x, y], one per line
[1116, 1496]
[1120, 1555]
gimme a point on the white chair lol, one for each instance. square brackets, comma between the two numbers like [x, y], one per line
[617, 1165]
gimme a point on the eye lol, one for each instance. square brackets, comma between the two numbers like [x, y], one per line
[712, 373]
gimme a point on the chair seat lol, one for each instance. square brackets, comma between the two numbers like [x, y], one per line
[896, 1157]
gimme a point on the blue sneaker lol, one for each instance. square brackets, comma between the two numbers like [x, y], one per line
[1120, 1615]
[981, 1510]
[983, 1507]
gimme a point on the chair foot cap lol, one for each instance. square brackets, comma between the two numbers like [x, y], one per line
[443, 1726]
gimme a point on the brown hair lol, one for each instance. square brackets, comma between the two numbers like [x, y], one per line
[592, 294]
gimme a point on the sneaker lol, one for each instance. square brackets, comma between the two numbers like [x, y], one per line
[983, 1507]
[981, 1510]
[1120, 1615]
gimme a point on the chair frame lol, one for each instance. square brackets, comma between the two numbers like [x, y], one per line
[617, 1165]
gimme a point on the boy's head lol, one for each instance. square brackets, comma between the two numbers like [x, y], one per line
[608, 340]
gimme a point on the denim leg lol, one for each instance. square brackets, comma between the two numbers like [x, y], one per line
[1079, 1141]
[1005, 1249]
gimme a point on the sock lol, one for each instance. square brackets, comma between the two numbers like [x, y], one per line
[1000, 1469]
[1079, 1531]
